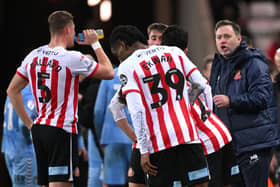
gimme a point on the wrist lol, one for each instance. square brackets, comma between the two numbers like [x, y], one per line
[96, 45]
[30, 126]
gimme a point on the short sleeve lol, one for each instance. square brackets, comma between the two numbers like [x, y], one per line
[22, 71]
[128, 82]
[81, 64]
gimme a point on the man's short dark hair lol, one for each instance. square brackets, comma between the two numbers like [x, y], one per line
[128, 34]
[175, 36]
[156, 26]
[58, 20]
[225, 22]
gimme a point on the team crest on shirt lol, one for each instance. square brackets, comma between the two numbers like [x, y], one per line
[123, 79]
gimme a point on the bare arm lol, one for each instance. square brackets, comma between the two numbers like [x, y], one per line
[117, 110]
[14, 93]
[105, 69]
[124, 125]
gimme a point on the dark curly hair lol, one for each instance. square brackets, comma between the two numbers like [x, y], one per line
[128, 34]
[175, 36]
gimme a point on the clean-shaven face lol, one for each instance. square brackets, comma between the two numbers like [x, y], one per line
[226, 40]
[154, 37]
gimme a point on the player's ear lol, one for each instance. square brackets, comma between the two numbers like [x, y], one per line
[67, 29]
[123, 45]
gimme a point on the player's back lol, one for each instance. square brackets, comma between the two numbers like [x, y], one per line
[54, 76]
[160, 74]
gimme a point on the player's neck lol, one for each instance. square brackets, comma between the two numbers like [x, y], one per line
[57, 41]
[139, 45]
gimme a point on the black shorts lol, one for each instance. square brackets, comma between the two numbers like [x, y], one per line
[135, 172]
[185, 163]
[56, 154]
[254, 166]
[223, 167]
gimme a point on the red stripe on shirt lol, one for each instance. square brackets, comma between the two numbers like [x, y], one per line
[22, 76]
[200, 124]
[160, 113]
[189, 74]
[204, 147]
[213, 119]
[149, 119]
[54, 85]
[62, 114]
[185, 109]
[75, 104]
[131, 90]
[171, 110]
[43, 92]
[34, 81]
[94, 70]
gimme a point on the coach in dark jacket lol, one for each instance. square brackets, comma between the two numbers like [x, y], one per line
[243, 100]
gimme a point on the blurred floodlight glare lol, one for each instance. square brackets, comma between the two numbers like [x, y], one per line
[105, 10]
[93, 2]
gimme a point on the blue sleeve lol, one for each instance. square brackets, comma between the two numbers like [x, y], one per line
[100, 107]
[81, 142]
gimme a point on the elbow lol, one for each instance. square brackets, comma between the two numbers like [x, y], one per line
[110, 75]
[9, 91]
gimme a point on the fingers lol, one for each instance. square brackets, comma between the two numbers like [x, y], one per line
[221, 100]
[218, 100]
[150, 169]
[90, 37]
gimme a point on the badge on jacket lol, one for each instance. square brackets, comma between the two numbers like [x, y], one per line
[237, 75]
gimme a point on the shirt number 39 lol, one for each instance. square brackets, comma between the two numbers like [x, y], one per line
[177, 83]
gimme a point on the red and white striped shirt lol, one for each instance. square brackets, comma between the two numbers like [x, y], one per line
[212, 132]
[159, 75]
[54, 77]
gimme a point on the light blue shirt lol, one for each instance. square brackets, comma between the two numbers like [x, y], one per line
[16, 136]
[110, 131]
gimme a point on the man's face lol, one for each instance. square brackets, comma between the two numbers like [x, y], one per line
[121, 51]
[154, 37]
[226, 40]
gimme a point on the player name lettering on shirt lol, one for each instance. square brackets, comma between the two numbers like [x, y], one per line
[47, 52]
[155, 60]
[45, 62]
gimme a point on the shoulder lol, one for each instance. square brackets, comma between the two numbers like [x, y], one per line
[257, 58]
[126, 65]
[34, 53]
[75, 54]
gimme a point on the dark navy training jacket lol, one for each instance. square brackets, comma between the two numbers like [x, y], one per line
[252, 115]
